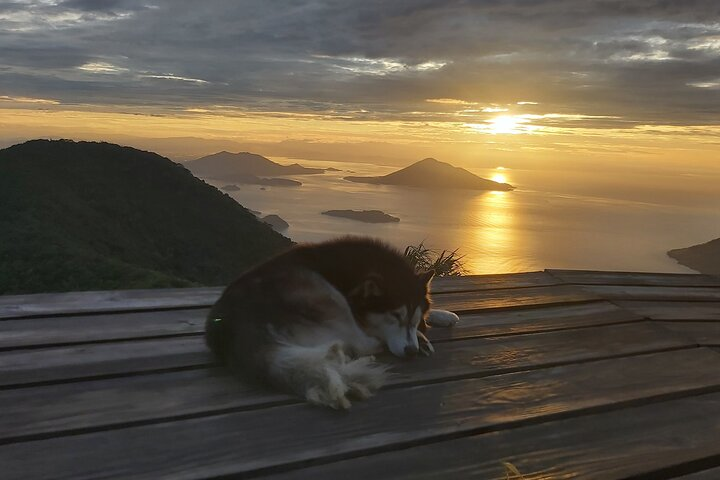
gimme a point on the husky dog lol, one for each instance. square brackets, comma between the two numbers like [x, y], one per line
[309, 320]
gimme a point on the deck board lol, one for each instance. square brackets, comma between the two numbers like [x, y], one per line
[659, 310]
[91, 404]
[538, 319]
[290, 435]
[47, 331]
[567, 374]
[693, 294]
[591, 277]
[613, 445]
[19, 367]
[69, 303]
[712, 474]
[702, 333]
[492, 282]
[513, 298]
[25, 332]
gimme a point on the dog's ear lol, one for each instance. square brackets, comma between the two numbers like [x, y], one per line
[368, 288]
[425, 277]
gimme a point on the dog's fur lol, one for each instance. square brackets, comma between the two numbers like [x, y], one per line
[309, 320]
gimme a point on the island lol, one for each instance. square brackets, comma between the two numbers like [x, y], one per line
[226, 165]
[275, 222]
[230, 188]
[434, 174]
[270, 182]
[367, 216]
[704, 258]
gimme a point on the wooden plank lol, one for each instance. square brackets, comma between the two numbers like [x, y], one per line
[492, 282]
[43, 304]
[92, 328]
[528, 320]
[712, 474]
[290, 435]
[26, 411]
[590, 277]
[55, 364]
[49, 331]
[693, 294]
[613, 445]
[658, 310]
[702, 333]
[512, 298]
[62, 363]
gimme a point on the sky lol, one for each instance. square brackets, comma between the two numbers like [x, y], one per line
[525, 83]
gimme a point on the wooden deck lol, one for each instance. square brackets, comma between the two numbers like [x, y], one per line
[565, 374]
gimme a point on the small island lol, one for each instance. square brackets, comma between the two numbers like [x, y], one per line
[704, 258]
[269, 182]
[367, 216]
[434, 174]
[230, 188]
[276, 222]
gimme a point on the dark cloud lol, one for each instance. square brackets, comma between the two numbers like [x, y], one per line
[642, 61]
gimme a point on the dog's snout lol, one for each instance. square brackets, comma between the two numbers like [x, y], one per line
[411, 351]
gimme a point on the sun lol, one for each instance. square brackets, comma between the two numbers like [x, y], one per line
[499, 177]
[504, 124]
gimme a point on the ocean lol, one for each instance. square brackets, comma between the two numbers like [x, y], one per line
[568, 219]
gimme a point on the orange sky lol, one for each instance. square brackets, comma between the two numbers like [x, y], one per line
[583, 83]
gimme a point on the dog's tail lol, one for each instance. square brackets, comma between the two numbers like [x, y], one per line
[324, 374]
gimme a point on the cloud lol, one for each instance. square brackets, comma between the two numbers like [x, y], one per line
[646, 62]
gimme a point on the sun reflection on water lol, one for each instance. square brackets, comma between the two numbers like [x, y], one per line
[491, 231]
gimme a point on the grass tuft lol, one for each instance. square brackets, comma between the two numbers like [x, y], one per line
[447, 263]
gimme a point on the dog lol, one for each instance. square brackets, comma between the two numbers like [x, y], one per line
[310, 320]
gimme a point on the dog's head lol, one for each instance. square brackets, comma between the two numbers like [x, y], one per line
[392, 310]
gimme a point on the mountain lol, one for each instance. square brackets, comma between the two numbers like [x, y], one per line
[704, 258]
[91, 216]
[431, 173]
[226, 165]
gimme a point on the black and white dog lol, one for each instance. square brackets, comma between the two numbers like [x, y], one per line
[309, 320]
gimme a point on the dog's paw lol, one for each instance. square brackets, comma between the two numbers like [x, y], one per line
[322, 397]
[442, 318]
[424, 346]
[329, 391]
[364, 372]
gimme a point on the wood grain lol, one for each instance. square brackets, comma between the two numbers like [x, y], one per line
[589, 277]
[64, 363]
[287, 436]
[92, 328]
[49, 331]
[692, 294]
[43, 304]
[512, 298]
[529, 320]
[492, 282]
[712, 474]
[605, 446]
[702, 333]
[91, 404]
[658, 310]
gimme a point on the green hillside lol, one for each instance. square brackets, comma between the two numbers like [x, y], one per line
[92, 216]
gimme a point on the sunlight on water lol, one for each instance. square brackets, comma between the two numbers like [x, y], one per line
[492, 232]
[552, 220]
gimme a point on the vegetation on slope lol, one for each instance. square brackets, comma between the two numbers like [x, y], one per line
[90, 216]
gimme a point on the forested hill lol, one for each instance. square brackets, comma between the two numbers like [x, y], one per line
[92, 216]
